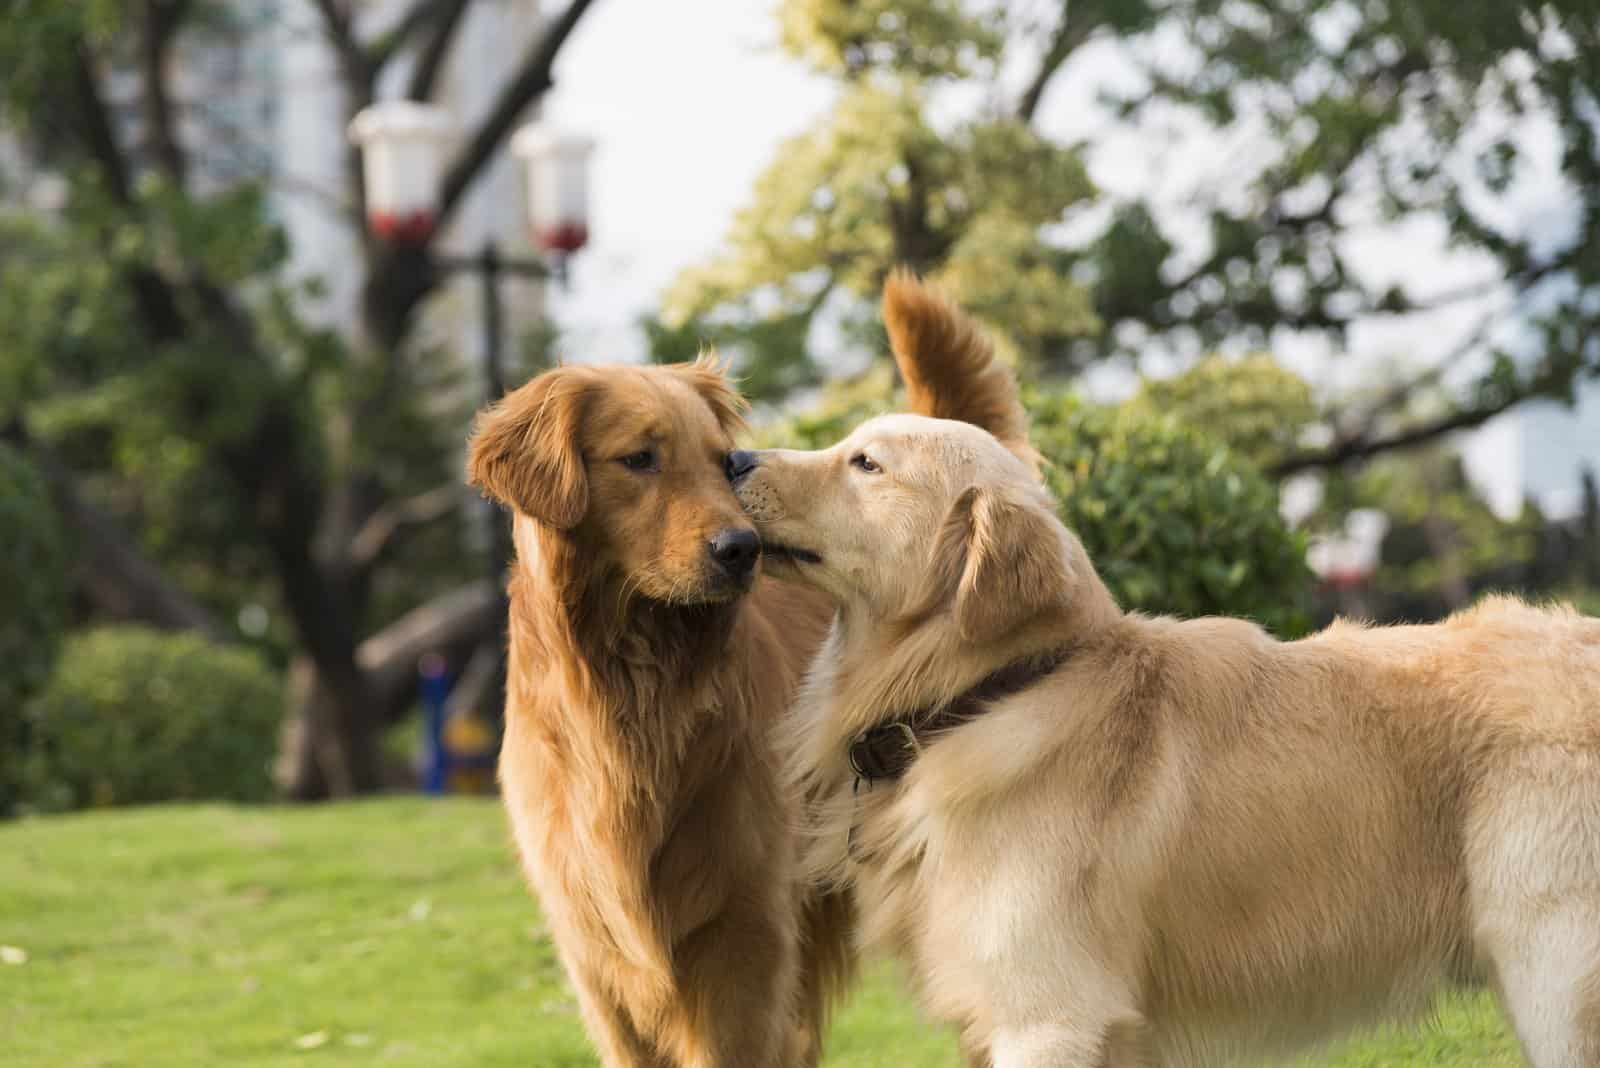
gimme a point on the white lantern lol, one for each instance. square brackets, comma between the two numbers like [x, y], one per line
[402, 146]
[557, 166]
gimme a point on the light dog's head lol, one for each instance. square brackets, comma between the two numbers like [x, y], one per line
[912, 519]
[631, 461]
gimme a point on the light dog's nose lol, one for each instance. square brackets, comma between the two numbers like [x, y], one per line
[736, 549]
[740, 463]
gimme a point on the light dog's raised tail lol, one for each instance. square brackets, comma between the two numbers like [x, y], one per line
[949, 366]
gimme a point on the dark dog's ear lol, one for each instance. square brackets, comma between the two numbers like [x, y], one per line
[709, 376]
[524, 449]
[997, 563]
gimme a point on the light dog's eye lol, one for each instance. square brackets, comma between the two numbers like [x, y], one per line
[866, 463]
[643, 460]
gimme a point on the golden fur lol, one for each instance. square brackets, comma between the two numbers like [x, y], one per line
[1191, 844]
[643, 685]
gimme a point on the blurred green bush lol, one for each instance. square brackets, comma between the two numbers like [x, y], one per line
[135, 715]
[33, 604]
[1175, 521]
[1253, 404]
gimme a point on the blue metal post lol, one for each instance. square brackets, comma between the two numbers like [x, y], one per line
[435, 686]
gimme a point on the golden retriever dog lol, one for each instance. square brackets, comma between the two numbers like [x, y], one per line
[649, 662]
[1101, 839]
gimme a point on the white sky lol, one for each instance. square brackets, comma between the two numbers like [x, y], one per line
[689, 101]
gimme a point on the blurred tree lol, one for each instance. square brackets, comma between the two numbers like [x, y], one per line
[134, 715]
[1424, 117]
[33, 589]
[1341, 117]
[1255, 405]
[1589, 530]
[213, 452]
[879, 182]
[1444, 544]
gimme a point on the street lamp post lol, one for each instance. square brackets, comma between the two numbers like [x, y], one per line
[403, 154]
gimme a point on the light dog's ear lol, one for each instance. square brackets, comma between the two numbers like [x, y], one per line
[997, 563]
[524, 449]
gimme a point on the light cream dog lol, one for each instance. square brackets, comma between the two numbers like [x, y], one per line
[1101, 839]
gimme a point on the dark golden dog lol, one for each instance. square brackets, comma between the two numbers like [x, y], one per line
[649, 663]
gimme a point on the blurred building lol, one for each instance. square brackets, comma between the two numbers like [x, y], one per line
[1552, 445]
[310, 154]
[256, 95]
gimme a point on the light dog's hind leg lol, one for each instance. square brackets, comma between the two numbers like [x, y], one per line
[1551, 989]
[1533, 861]
[1117, 1043]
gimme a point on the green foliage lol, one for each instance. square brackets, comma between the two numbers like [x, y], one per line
[134, 715]
[1585, 599]
[925, 38]
[1254, 405]
[879, 182]
[1175, 522]
[1362, 115]
[33, 603]
[750, 342]
[844, 406]
[1347, 118]
[163, 431]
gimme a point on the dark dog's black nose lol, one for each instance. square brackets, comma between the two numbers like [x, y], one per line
[739, 463]
[736, 550]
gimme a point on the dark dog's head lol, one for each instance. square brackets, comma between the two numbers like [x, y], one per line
[632, 461]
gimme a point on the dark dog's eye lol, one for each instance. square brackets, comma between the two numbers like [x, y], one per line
[865, 462]
[643, 460]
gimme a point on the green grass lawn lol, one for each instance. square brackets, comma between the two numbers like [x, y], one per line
[393, 932]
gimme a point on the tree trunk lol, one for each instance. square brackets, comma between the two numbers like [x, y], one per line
[324, 740]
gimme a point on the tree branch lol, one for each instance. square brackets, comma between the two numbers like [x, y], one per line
[1548, 382]
[353, 58]
[162, 19]
[380, 529]
[1360, 448]
[389, 44]
[532, 79]
[433, 55]
[99, 138]
[1063, 43]
[267, 462]
[402, 275]
[113, 574]
[359, 70]
[157, 304]
[451, 624]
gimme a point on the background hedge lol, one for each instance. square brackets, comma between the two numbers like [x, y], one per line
[134, 715]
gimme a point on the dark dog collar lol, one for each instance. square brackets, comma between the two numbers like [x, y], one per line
[885, 752]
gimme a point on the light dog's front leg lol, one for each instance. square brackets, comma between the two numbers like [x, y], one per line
[1117, 1043]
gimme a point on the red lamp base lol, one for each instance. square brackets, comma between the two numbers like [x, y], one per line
[407, 228]
[564, 237]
